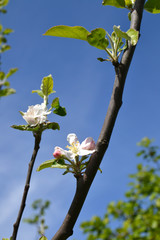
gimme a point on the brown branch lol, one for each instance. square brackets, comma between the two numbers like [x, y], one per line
[84, 182]
[27, 185]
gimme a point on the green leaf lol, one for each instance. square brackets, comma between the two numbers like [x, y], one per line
[7, 31]
[128, 3]
[47, 85]
[11, 72]
[61, 111]
[3, 11]
[1, 27]
[6, 92]
[46, 164]
[101, 59]
[43, 238]
[51, 125]
[38, 128]
[6, 84]
[145, 142]
[55, 103]
[57, 165]
[152, 6]
[76, 32]
[5, 48]
[39, 92]
[114, 3]
[97, 38]
[26, 127]
[120, 33]
[53, 163]
[2, 39]
[3, 3]
[2, 75]
[134, 35]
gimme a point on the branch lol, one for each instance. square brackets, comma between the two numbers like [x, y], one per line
[27, 185]
[84, 182]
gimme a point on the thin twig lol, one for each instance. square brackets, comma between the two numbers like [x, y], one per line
[84, 182]
[27, 185]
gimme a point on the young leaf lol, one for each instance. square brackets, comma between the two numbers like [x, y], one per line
[55, 103]
[46, 164]
[128, 3]
[97, 38]
[6, 92]
[43, 238]
[3, 3]
[7, 31]
[2, 75]
[11, 72]
[76, 32]
[121, 34]
[39, 92]
[51, 125]
[26, 127]
[152, 6]
[133, 35]
[47, 85]
[38, 128]
[57, 165]
[5, 48]
[61, 111]
[114, 3]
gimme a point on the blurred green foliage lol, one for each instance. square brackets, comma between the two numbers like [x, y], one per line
[138, 216]
[5, 89]
[38, 219]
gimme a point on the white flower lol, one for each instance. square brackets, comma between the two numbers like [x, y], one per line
[75, 149]
[36, 114]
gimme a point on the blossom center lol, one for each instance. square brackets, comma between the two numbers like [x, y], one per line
[74, 148]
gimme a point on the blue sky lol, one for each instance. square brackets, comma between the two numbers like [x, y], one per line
[84, 86]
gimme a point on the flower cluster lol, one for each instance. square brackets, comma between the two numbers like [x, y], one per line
[75, 149]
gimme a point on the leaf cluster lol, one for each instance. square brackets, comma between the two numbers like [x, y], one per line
[152, 6]
[39, 218]
[3, 4]
[5, 89]
[76, 167]
[137, 217]
[98, 38]
[46, 90]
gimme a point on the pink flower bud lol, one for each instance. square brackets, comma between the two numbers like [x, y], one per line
[88, 144]
[57, 152]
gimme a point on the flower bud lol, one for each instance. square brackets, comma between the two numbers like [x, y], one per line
[57, 152]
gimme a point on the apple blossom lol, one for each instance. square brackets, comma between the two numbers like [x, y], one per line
[75, 149]
[36, 114]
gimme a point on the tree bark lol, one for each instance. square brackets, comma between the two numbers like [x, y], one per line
[27, 185]
[84, 182]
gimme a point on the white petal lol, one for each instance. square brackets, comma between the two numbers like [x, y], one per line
[84, 152]
[72, 138]
[88, 144]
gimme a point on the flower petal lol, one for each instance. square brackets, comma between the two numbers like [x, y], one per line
[88, 144]
[84, 152]
[72, 138]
